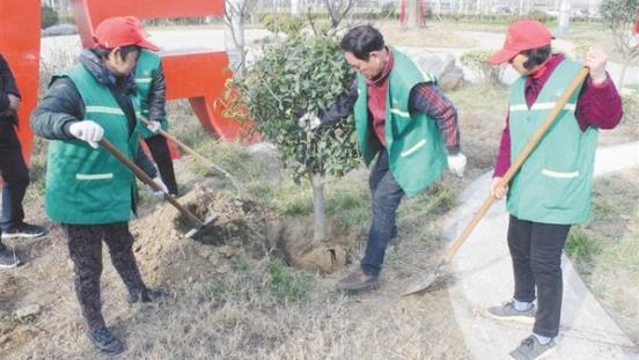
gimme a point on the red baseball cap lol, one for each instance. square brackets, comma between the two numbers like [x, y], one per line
[122, 31]
[520, 36]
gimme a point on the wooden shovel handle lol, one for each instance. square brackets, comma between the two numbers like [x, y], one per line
[147, 179]
[514, 167]
[196, 155]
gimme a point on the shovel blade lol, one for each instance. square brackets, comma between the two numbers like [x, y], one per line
[420, 284]
[201, 226]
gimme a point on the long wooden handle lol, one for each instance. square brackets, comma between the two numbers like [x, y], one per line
[147, 179]
[514, 167]
[196, 155]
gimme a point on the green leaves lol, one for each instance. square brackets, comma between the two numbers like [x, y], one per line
[302, 73]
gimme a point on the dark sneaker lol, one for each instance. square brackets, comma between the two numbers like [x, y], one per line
[508, 312]
[23, 230]
[358, 280]
[149, 295]
[104, 340]
[531, 349]
[8, 258]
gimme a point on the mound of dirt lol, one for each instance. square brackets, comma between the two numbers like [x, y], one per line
[241, 228]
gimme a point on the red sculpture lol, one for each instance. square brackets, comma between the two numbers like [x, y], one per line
[199, 75]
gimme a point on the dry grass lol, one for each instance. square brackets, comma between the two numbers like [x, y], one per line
[611, 266]
[434, 36]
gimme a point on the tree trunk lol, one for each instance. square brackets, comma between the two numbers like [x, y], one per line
[563, 18]
[319, 213]
[413, 14]
[622, 75]
[295, 7]
[234, 35]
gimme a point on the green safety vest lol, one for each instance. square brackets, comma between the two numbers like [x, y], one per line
[416, 150]
[554, 185]
[85, 185]
[146, 66]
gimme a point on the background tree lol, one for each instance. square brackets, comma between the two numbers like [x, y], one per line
[302, 73]
[234, 17]
[49, 17]
[620, 16]
[338, 10]
[415, 14]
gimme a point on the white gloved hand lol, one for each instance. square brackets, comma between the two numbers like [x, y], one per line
[309, 121]
[158, 194]
[87, 130]
[457, 164]
[154, 126]
[14, 102]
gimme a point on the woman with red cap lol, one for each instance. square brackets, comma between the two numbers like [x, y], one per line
[88, 191]
[552, 189]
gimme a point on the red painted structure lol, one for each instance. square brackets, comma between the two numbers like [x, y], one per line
[199, 75]
[403, 11]
[20, 46]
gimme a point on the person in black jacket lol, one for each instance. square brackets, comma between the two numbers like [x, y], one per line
[151, 84]
[15, 173]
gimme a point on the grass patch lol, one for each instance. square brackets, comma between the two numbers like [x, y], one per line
[605, 250]
[285, 285]
[475, 98]
[582, 249]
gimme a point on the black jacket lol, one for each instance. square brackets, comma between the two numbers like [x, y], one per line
[7, 86]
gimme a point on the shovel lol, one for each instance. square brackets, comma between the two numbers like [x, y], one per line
[424, 283]
[198, 224]
[197, 156]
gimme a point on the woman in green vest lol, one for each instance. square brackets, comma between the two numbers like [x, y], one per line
[151, 85]
[88, 191]
[404, 121]
[552, 189]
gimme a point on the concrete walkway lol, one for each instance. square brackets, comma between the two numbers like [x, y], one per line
[483, 273]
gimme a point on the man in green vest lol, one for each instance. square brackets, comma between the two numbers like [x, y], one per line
[88, 191]
[403, 120]
[552, 189]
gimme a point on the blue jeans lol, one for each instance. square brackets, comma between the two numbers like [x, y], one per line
[15, 175]
[386, 195]
[536, 250]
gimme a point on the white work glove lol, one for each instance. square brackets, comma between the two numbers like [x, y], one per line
[154, 126]
[14, 102]
[308, 121]
[87, 130]
[158, 194]
[457, 164]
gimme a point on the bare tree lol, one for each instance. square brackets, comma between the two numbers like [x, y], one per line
[620, 17]
[414, 14]
[236, 12]
[338, 9]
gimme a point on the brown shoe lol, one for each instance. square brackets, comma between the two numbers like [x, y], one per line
[358, 280]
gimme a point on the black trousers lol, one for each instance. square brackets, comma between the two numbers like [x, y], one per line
[159, 148]
[386, 195]
[536, 250]
[15, 175]
[85, 249]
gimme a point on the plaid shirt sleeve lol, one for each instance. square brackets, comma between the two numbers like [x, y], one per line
[428, 98]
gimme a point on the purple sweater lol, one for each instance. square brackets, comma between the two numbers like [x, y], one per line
[598, 106]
